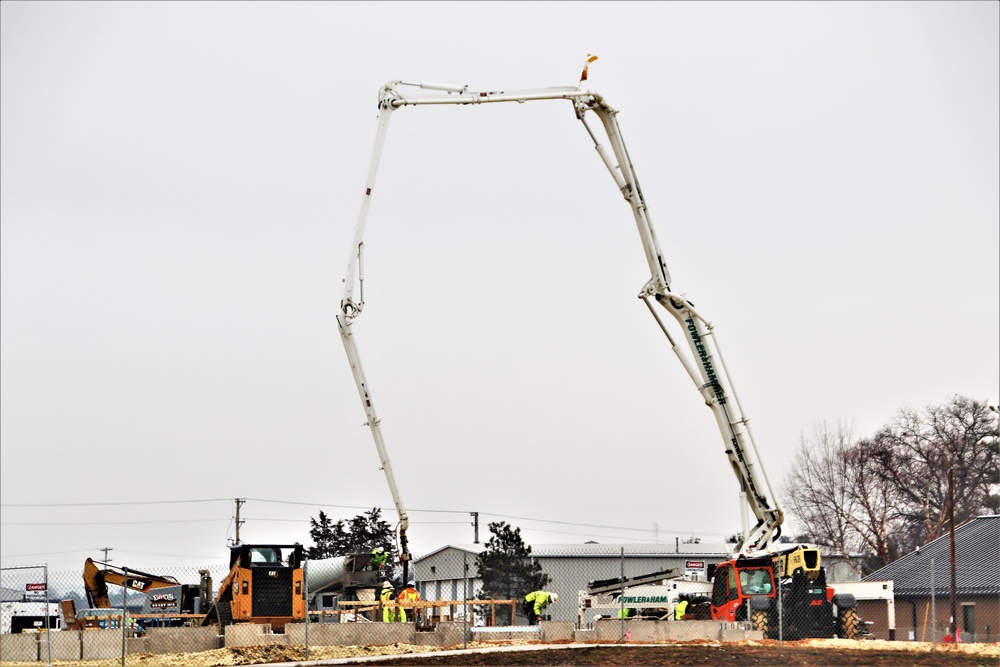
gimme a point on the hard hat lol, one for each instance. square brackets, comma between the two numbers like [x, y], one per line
[386, 584]
[554, 597]
[411, 582]
[381, 549]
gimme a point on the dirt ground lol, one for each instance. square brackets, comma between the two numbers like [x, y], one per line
[808, 653]
[745, 654]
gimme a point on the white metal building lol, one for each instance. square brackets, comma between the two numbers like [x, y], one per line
[450, 573]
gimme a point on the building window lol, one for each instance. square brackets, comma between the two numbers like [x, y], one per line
[968, 619]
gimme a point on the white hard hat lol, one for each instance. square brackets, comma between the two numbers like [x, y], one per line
[555, 596]
[386, 584]
[411, 582]
[381, 549]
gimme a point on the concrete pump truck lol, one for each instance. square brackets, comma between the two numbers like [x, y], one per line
[745, 588]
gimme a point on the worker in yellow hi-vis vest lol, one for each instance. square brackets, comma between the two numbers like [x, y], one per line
[535, 602]
[387, 597]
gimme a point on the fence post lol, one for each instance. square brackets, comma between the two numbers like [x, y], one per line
[933, 609]
[124, 611]
[621, 595]
[781, 608]
[48, 628]
[305, 597]
[465, 600]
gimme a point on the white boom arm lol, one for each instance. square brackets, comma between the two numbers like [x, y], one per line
[709, 373]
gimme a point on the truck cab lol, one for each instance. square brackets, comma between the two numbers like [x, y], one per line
[733, 585]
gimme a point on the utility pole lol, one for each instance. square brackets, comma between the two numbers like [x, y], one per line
[951, 519]
[239, 522]
[106, 550]
[475, 525]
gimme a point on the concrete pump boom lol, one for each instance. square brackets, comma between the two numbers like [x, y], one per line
[708, 371]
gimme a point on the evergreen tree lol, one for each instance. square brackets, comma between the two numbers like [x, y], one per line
[358, 535]
[329, 538]
[506, 567]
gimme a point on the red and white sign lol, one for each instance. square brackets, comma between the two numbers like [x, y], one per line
[34, 591]
[695, 568]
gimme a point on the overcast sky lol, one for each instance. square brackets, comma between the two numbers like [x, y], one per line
[180, 184]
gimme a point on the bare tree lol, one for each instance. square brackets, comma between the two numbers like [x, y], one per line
[888, 494]
[916, 451]
[836, 491]
[875, 505]
[816, 487]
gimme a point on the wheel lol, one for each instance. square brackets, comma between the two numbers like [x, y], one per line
[225, 610]
[849, 624]
[760, 620]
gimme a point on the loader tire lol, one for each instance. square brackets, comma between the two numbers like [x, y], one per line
[760, 621]
[849, 624]
[225, 611]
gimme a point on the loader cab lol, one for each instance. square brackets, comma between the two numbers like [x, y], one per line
[734, 582]
[269, 555]
[725, 593]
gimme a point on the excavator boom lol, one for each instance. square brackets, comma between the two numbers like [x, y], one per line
[96, 580]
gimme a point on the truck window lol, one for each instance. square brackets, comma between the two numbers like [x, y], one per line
[719, 587]
[731, 583]
[755, 582]
[265, 555]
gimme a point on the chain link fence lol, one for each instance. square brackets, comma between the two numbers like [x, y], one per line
[459, 594]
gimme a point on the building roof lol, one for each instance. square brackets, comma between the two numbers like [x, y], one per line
[632, 550]
[11, 595]
[977, 563]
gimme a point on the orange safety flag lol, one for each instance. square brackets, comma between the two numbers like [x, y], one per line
[590, 58]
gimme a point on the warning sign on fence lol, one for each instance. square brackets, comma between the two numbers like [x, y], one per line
[34, 592]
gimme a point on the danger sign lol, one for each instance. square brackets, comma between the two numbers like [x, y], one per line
[34, 592]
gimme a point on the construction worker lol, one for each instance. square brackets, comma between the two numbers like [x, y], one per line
[535, 602]
[386, 597]
[680, 609]
[625, 612]
[409, 594]
[379, 557]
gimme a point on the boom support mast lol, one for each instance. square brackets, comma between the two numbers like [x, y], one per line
[708, 370]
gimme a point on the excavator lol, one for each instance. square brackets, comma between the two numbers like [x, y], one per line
[181, 600]
[805, 594]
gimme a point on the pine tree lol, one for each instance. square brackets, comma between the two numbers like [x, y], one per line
[506, 567]
[329, 538]
[358, 535]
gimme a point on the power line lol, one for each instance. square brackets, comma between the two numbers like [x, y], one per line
[52, 553]
[141, 502]
[108, 523]
[323, 505]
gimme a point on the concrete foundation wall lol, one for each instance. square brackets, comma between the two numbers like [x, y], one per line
[555, 631]
[182, 640]
[135, 645]
[66, 645]
[101, 644]
[351, 634]
[655, 631]
[22, 647]
[252, 634]
[505, 633]
[447, 634]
